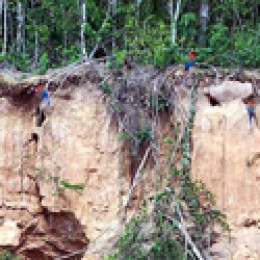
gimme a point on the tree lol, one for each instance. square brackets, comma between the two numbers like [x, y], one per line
[82, 33]
[4, 49]
[204, 17]
[174, 19]
[113, 12]
[20, 26]
[138, 4]
[1, 19]
[64, 30]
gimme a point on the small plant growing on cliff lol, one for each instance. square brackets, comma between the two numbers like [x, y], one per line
[143, 134]
[78, 187]
[106, 88]
[123, 136]
[161, 104]
[5, 255]
[168, 140]
[61, 185]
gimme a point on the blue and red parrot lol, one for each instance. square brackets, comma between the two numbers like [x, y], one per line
[44, 94]
[190, 62]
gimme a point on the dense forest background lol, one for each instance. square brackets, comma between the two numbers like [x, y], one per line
[39, 34]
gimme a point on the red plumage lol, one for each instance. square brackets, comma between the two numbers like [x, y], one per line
[192, 55]
[40, 88]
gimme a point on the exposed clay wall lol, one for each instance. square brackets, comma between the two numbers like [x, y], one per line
[225, 156]
[78, 143]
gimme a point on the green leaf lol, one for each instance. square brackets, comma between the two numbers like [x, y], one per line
[106, 88]
[168, 140]
[68, 185]
[175, 223]
[123, 136]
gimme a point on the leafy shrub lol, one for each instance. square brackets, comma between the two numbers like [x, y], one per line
[2, 57]
[19, 61]
[43, 63]
[143, 134]
[5, 255]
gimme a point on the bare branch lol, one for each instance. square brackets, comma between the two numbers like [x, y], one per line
[137, 176]
[184, 231]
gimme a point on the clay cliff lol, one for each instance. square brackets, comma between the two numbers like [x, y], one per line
[226, 158]
[77, 145]
[64, 196]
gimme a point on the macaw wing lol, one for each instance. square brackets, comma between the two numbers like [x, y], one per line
[188, 64]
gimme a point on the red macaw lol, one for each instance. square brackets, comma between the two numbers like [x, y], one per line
[191, 60]
[44, 94]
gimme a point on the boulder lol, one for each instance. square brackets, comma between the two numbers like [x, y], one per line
[9, 234]
[245, 253]
[230, 90]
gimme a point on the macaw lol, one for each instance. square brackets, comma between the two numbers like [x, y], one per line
[44, 94]
[250, 106]
[189, 63]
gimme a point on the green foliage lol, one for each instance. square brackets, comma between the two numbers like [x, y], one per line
[18, 60]
[123, 136]
[106, 88]
[62, 185]
[2, 57]
[89, 30]
[166, 249]
[5, 255]
[247, 47]
[168, 140]
[160, 104]
[79, 187]
[143, 32]
[199, 200]
[156, 232]
[143, 134]
[162, 57]
[188, 29]
[43, 63]
[117, 60]
[69, 55]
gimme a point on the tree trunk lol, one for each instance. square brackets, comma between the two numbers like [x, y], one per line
[82, 33]
[138, 3]
[10, 30]
[4, 49]
[19, 27]
[1, 17]
[204, 17]
[256, 12]
[113, 10]
[23, 28]
[64, 27]
[36, 46]
[174, 19]
[109, 6]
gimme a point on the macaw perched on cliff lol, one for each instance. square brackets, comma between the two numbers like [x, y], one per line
[250, 107]
[44, 94]
[189, 63]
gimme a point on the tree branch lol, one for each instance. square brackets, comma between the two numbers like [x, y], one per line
[184, 231]
[137, 176]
